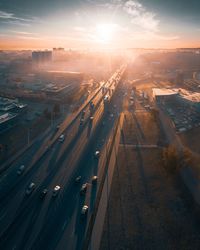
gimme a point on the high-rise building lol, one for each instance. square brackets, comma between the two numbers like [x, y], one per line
[42, 57]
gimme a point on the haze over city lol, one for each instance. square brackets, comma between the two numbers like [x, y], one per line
[99, 125]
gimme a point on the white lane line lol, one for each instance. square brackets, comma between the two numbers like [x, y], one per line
[63, 227]
[3, 216]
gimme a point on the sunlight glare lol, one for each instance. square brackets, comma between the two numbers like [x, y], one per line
[105, 32]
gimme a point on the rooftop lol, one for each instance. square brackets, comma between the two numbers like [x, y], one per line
[6, 117]
[164, 92]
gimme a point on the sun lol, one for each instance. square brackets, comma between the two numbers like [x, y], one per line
[105, 32]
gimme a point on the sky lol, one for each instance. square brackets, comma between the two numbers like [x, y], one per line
[90, 24]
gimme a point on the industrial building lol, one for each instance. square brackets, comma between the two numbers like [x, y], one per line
[163, 94]
[7, 121]
[54, 91]
[10, 112]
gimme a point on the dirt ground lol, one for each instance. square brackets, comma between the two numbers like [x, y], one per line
[147, 209]
[140, 128]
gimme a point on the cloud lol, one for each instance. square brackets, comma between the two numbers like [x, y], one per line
[146, 22]
[140, 16]
[153, 36]
[16, 22]
[11, 18]
[137, 12]
[23, 32]
[6, 15]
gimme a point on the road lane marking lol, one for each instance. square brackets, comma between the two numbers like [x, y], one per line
[63, 227]
[3, 216]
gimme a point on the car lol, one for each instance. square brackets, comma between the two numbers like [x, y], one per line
[43, 193]
[84, 210]
[94, 179]
[61, 138]
[78, 179]
[97, 154]
[83, 113]
[91, 118]
[83, 188]
[58, 127]
[81, 121]
[56, 190]
[20, 170]
[106, 98]
[30, 188]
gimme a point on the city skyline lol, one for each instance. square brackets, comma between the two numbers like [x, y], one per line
[99, 24]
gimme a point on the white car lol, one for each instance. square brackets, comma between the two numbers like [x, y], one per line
[97, 154]
[83, 189]
[20, 170]
[61, 138]
[56, 190]
[84, 210]
[94, 179]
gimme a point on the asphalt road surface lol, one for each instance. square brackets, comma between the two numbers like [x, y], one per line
[28, 222]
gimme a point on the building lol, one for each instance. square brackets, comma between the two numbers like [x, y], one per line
[41, 57]
[10, 112]
[11, 105]
[163, 94]
[7, 121]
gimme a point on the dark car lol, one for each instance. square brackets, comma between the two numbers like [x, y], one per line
[78, 179]
[43, 193]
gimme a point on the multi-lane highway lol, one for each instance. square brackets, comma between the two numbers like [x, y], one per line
[28, 222]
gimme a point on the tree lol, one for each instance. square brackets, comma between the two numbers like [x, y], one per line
[155, 114]
[188, 158]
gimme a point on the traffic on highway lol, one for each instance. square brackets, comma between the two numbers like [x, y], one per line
[48, 194]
